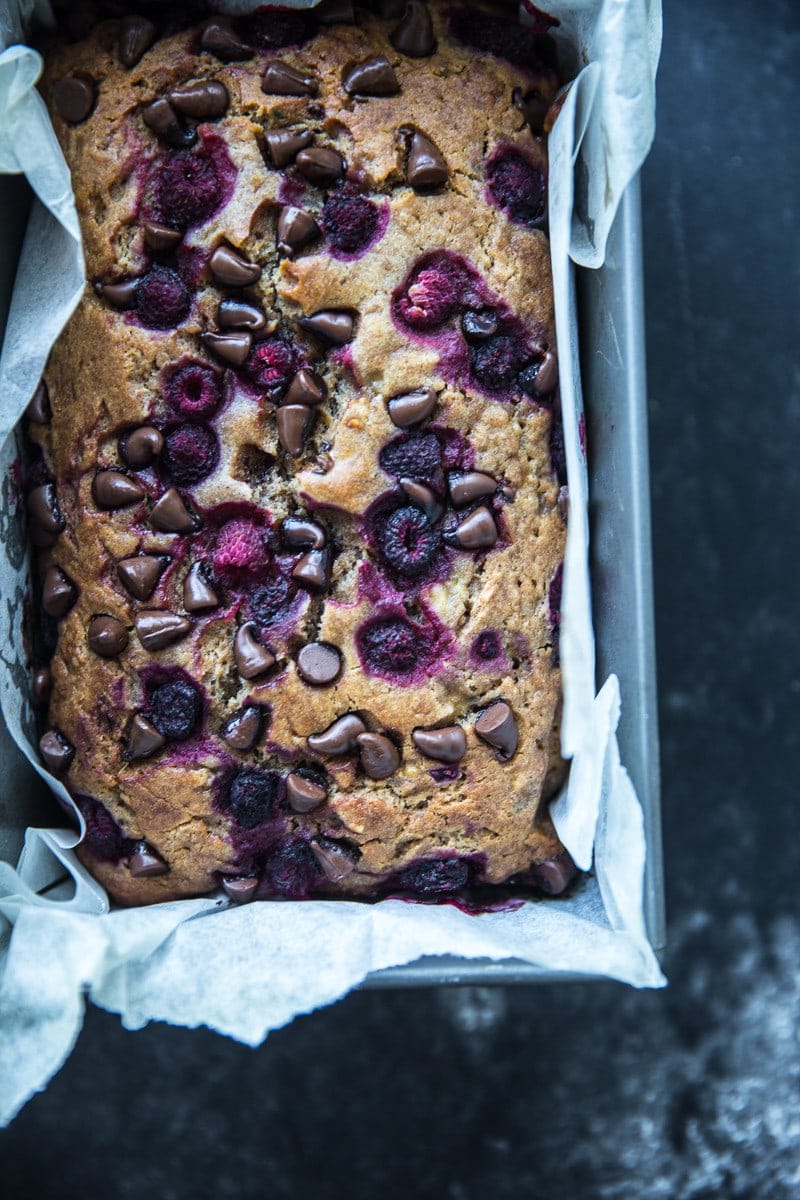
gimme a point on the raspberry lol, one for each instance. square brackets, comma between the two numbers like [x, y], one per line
[272, 364]
[162, 299]
[193, 390]
[239, 550]
[390, 646]
[174, 708]
[517, 186]
[104, 837]
[494, 363]
[515, 43]
[413, 456]
[486, 646]
[349, 221]
[189, 188]
[254, 796]
[432, 291]
[408, 541]
[291, 870]
[435, 876]
[271, 601]
[191, 453]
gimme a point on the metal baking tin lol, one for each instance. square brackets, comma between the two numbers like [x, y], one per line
[611, 321]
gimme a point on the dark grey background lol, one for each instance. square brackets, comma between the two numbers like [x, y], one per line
[581, 1090]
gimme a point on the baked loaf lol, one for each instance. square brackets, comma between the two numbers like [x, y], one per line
[297, 478]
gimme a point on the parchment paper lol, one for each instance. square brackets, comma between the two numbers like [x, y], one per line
[245, 971]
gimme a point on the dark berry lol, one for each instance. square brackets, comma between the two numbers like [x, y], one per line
[435, 876]
[104, 838]
[518, 186]
[431, 292]
[494, 363]
[487, 646]
[189, 188]
[273, 363]
[490, 34]
[270, 601]
[349, 221]
[162, 299]
[191, 453]
[193, 391]
[558, 454]
[174, 708]
[240, 550]
[254, 796]
[554, 605]
[390, 646]
[414, 456]
[291, 870]
[408, 541]
[273, 28]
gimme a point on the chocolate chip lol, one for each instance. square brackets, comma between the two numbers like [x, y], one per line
[157, 629]
[332, 327]
[335, 12]
[235, 314]
[497, 726]
[320, 164]
[74, 98]
[476, 532]
[319, 664]
[107, 636]
[161, 117]
[38, 410]
[144, 863]
[160, 238]
[241, 730]
[336, 863]
[372, 77]
[141, 446]
[466, 486]
[59, 593]
[339, 738]
[424, 498]
[304, 795]
[306, 388]
[252, 659]
[293, 422]
[170, 514]
[283, 145]
[533, 106]
[57, 751]
[136, 36]
[42, 683]
[144, 739]
[427, 166]
[448, 745]
[414, 35]
[280, 79]
[554, 875]
[241, 889]
[540, 378]
[140, 575]
[380, 758]
[313, 570]
[201, 101]
[112, 489]
[232, 348]
[296, 531]
[198, 594]
[121, 295]
[220, 39]
[412, 407]
[230, 269]
[43, 509]
[479, 325]
[296, 228]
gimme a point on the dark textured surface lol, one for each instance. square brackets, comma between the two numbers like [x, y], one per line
[582, 1090]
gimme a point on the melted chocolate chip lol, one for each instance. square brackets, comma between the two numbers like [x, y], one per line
[336, 862]
[466, 486]
[424, 498]
[380, 758]
[144, 739]
[231, 269]
[44, 511]
[145, 863]
[141, 446]
[306, 388]
[296, 531]
[372, 77]
[241, 730]
[107, 636]
[414, 35]
[320, 164]
[241, 889]
[332, 327]
[201, 101]
[170, 514]
[540, 378]
[339, 738]
[140, 575]
[136, 36]
[252, 659]
[57, 751]
[42, 684]
[283, 145]
[74, 98]
[293, 422]
[235, 314]
[161, 239]
[157, 629]
[313, 570]
[120, 295]
[448, 745]
[476, 532]
[497, 726]
[221, 40]
[233, 348]
[38, 410]
[412, 407]
[112, 489]
[554, 875]
[303, 794]
[59, 593]
[198, 594]
[296, 228]
[161, 117]
[281, 79]
[319, 664]
[427, 166]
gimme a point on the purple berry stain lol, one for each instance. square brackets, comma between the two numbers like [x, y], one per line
[517, 185]
[191, 453]
[486, 648]
[192, 390]
[162, 299]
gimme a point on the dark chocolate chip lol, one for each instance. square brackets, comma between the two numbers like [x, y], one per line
[283, 145]
[424, 498]
[241, 730]
[160, 238]
[339, 738]
[144, 863]
[293, 422]
[412, 407]
[335, 862]
[161, 117]
[241, 889]
[121, 295]
[476, 532]
[448, 745]
[43, 508]
[306, 388]
[380, 758]
[57, 751]
[232, 348]
[335, 12]
[157, 629]
[42, 683]
[144, 739]
[479, 325]
[74, 98]
[332, 327]
[136, 36]
[141, 446]
[319, 664]
[304, 795]
[414, 35]
[231, 269]
[112, 489]
[59, 593]
[427, 166]
[313, 569]
[554, 875]
[296, 228]
[235, 314]
[108, 637]
[201, 101]
[220, 39]
[170, 514]
[252, 659]
[280, 79]
[466, 486]
[140, 575]
[540, 378]
[372, 77]
[533, 106]
[38, 410]
[320, 164]
[497, 726]
[296, 531]
[198, 594]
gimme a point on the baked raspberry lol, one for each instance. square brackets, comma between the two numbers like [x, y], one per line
[240, 550]
[191, 453]
[254, 796]
[272, 364]
[495, 363]
[104, 838]
[390, 646]
[414, 456]
[271, 601]
[189, 188]
[517, 186]
[487, 646]
[272, 28]
[174, 707]
[431, 292]
[349, 221]
[193, 390]
[408, 541]
[435, 876]
[162, 298]
[291, 870]
[517, 44]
